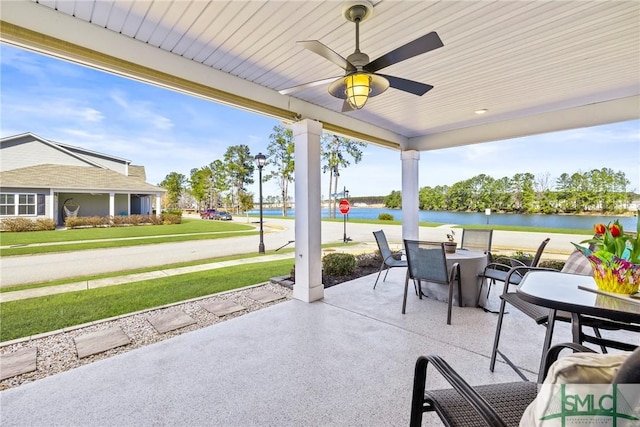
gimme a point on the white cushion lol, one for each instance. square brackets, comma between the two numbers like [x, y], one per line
[575, 368]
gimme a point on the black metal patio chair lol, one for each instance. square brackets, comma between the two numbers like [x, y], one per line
[390, 259]
[495, 405]
[427, 261]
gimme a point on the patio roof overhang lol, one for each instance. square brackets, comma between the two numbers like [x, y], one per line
[537, 67]
[534, 66]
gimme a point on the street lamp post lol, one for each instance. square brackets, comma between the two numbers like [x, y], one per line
[260, 160]
[345, 193]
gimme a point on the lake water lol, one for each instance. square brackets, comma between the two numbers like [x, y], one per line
[584, 222]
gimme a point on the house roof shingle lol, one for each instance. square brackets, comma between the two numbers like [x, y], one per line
[75, 177]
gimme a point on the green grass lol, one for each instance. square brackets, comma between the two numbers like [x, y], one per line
[37, 315]
[101, 244]
[98, 238]
[188, 226]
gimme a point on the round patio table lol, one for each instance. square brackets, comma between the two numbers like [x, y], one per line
[471, 263]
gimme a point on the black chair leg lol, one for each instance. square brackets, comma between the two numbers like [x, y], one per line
[406, 288]
[496, 340]
[379, 271]
[450, 303]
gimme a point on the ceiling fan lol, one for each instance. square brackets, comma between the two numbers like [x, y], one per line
[361, 80]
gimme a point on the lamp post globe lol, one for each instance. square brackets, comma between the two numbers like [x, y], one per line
[260, 160]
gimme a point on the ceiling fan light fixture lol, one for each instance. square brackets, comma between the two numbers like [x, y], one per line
[357, 89]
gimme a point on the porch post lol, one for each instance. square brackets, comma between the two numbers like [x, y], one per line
[52, 206]
[308, 284]
[112, 204]
[128, 203]
[158, 207]
[410, 228]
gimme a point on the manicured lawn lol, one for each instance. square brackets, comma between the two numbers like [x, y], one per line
[188, 226]
[37, 315]
[99, 238]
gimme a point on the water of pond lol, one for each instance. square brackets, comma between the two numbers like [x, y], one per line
[461, 218]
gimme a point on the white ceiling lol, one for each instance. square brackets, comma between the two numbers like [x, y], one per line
[537, 66]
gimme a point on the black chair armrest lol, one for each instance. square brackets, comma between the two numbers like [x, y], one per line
[478, 403]
[467, 392]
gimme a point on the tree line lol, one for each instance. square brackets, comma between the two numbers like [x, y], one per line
[601, 190]
[222, 183]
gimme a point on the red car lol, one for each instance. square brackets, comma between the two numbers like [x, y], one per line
[208, 214]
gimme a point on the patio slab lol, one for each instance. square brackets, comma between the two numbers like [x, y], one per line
[265, 296]
[223, 308]
[170, 320]
[18, 362]
[347, 360]
[99, 341]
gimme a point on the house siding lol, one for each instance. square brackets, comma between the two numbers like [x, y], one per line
[119, 166]
[25, 152]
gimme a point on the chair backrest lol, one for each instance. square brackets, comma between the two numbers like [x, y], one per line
[479, 240]
[536, 258]
[426, 261]
[383, 245]
[629, 372]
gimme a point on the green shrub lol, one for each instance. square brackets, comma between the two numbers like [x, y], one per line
[86, 221]
[369, 260]
[385, 217]
[27, 224]
[552, 263]
[338, 264]
[171, 218]
[177, 212]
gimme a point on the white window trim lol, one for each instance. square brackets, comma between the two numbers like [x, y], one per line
[17, 204]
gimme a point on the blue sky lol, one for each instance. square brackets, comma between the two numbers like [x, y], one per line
[167, 131]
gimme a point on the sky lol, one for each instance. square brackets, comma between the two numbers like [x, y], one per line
[167, 131]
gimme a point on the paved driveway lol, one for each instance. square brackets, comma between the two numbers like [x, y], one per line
[278, 232]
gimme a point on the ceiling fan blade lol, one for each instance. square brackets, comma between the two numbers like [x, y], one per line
[307, 85]
[410, 86]
[324, 51]
[419, 46]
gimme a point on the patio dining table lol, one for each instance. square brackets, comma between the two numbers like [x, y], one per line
[471, 264]
[579, 296]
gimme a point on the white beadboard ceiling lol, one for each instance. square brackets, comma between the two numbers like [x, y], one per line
[537, 66]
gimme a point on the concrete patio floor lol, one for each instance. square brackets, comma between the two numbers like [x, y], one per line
[344, 361]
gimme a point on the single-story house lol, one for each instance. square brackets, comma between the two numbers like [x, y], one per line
[40, 178]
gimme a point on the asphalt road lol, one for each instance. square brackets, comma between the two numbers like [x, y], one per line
[278, 232]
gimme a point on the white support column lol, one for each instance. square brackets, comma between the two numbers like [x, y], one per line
[410, 223]
[128, 203]
[308, 286]
[112, 204]
[52, 206]
[158, 205]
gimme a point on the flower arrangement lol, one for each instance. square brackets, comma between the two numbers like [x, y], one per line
[615, 258]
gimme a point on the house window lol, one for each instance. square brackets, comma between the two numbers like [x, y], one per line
[7, 204]
[26, 204]
[21, 204]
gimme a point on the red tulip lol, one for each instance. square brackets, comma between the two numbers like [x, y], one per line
[599, 229]
[615, 230]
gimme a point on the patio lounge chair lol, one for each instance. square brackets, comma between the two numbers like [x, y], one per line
[389, 259]
[427, 261]
[505, 404]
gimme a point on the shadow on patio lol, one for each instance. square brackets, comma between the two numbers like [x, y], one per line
[346, 360]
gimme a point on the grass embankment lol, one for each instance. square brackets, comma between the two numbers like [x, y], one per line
[22, 243]
[38, 315]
